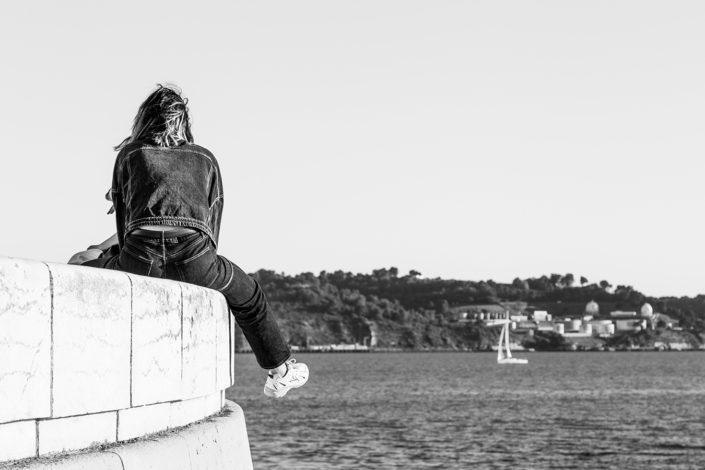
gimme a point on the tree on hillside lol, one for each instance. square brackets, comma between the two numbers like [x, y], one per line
[408, 338]
[583, 280]
[519, 284]
[442, 307]
[542, 284]
[568, 280]
[627, 294]
[486, 292]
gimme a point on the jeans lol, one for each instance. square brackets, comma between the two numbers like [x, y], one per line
[192, 258]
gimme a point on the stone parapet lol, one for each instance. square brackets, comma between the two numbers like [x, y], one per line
[93, 356]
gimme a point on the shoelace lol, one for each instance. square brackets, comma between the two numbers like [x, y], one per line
[289, 368]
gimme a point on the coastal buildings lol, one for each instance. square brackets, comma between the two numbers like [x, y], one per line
[585, 324]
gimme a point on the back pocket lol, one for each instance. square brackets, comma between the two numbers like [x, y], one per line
[134, 263]
[199, 268]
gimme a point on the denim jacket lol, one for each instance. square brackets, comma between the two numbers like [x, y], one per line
[179, 186]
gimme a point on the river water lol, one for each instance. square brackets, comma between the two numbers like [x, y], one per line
[570, 410]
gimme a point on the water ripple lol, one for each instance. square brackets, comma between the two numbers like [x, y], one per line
[562, 411]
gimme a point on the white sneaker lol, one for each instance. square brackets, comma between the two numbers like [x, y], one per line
[295, 376]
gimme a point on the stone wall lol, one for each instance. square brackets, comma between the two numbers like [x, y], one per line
[91, 356]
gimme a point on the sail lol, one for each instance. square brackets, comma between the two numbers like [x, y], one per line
[500, 348]
[504, 354]
[506, 339]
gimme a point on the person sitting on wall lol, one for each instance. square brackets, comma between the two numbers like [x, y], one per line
[167, 196]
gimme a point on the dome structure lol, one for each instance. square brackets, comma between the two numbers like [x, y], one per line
[592, 308]
[647, 310]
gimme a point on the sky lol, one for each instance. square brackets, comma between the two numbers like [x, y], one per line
[464, 139]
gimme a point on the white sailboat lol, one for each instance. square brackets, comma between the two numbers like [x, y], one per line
[504, 354]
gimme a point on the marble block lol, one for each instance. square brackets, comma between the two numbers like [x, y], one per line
[25, 340]
[189, 411]
[223, 339]
[92, 317]
[143, 420]
[76, 432]
[156, 340]
[199, 344]
[18, 440]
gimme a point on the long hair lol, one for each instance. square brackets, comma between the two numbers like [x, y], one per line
[162, 119]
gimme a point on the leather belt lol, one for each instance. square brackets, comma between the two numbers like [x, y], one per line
[170, 232]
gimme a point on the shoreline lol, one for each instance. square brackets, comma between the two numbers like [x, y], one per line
[521, 351]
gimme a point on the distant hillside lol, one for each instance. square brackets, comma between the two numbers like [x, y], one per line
[410, 311]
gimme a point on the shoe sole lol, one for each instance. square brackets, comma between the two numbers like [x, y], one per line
[280, 393]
